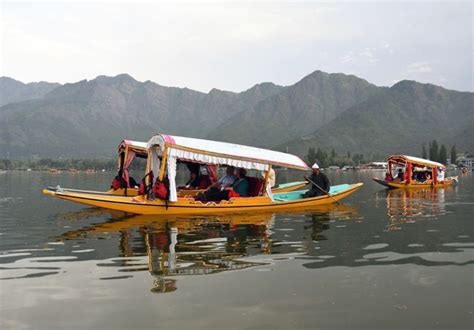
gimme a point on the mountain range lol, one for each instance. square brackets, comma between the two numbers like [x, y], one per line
[12, 90]
[398, 120]
[344, 112]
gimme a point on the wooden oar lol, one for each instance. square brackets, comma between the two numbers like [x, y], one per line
[324, 191]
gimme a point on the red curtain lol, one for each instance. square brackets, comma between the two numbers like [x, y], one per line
[212, 172]
[126, 165]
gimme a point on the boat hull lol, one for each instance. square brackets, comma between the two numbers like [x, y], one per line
[140, 205]
[402, 185]
[287, 187]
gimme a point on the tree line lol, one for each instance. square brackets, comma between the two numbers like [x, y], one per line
[438, 153]
[331, 158]
[48, 163]
[435, 152]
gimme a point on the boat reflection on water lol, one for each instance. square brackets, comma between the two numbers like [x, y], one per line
[200, 245]
[406, 205]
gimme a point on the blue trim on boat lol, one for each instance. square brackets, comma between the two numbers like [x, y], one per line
[289, 184]
[298, 194]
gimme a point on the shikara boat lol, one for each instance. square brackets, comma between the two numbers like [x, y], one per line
[128, 150]
[432, 172]
[164, 151]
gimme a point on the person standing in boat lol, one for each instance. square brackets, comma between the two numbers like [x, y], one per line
[320, 183]
[271, 177]
[440, 174]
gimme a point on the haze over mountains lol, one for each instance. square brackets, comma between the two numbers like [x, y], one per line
[89, 118]
[12, 90]
[398, 120]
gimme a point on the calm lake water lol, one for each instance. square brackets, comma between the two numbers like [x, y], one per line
[379, 260]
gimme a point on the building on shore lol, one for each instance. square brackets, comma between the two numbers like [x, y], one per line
[373, 166]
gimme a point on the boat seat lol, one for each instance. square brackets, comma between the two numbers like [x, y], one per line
[205, 182]
[255, 186]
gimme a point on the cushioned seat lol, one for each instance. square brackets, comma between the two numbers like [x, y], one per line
[204, 182]
[255, 186]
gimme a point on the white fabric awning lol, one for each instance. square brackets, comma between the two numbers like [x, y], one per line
[221, 153]
[134, 144]
[416, 160]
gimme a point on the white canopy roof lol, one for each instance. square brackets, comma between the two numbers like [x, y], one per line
[130, 143]
[416, 160]
[214, 152]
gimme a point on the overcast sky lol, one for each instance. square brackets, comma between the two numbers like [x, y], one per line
[233, 46]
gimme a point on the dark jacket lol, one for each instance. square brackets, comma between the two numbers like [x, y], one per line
[241, 187]
[321, 180]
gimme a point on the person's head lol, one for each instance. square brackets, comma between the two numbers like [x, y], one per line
[400, 170]
[229, 170]
[194, 175]
[315, 168]
[241, 173]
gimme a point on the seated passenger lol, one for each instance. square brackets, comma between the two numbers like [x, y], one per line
[226, 181]
[132, 182]
[241, 184]
[388, 177]
[240, 188]
[205, 181]
[420, 176]
[193, 182]
[428, 175]
[400, 176]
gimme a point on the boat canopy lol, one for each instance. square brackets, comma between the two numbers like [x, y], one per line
[128, 150]
[169, 149]
[136, 145]
[403, 159]
[221, 153]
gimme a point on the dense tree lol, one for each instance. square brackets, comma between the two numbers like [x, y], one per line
[311, 156]
[64, 164]
[454, 155]
[358, 159]
[322, 157]
[443, 155]
[434, 152]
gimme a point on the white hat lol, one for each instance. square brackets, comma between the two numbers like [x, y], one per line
[315, 165]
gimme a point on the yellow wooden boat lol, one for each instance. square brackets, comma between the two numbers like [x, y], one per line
[165, 150]
[410, 168]
[128, 150]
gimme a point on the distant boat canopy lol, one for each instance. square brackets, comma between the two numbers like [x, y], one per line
[404, 159]
[173, 148]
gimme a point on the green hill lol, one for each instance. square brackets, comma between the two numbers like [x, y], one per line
[12, 90]
[297, 110]
[398, 120]
[89, 118]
